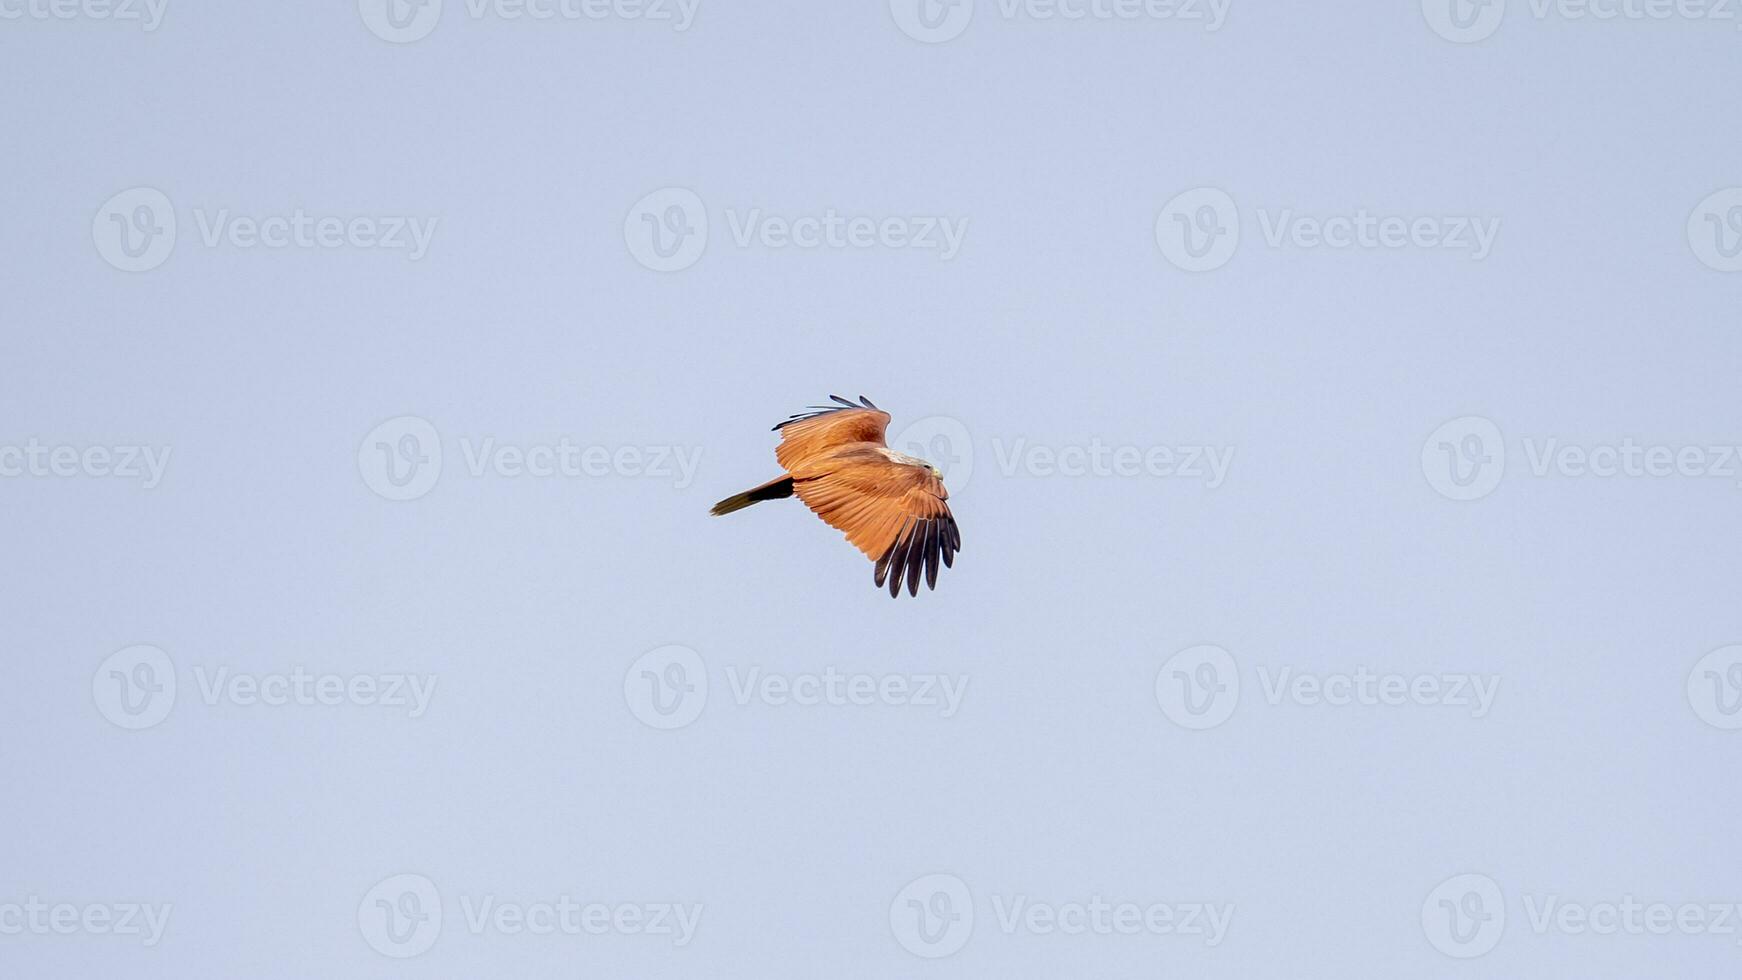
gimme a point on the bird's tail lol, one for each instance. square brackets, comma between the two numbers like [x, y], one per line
[772, 490]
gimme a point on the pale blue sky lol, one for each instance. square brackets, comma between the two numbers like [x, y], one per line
[522, 149]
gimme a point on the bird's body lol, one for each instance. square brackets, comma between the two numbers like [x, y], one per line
[891, 506]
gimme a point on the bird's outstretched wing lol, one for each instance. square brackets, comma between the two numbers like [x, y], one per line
[895, 512]
[819, 432]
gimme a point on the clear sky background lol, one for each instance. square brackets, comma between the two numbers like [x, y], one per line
[1601, 314]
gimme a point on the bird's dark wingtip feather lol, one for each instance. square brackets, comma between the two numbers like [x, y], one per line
[901, 556]
[812, 411]
[915, 559]
[933, 548]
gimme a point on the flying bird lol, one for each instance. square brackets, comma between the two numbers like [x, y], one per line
[891, 506]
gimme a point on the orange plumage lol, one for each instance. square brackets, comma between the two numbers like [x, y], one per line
[890, 506]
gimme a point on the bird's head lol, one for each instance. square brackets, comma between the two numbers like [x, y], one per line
[907, 460]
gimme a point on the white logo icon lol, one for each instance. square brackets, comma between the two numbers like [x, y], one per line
[943, 442]
[401, 916]
[1715, 688]
[933, 916]
[1715, 230]
[135, 230]
[1199, 687]
[1464, 21]
[1199, 229]
[667, 687]
[667, 230]
[400, 21]
[135, 687]
[1465, 458]
[932, 21]
[1464, 916]
[401, 459]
